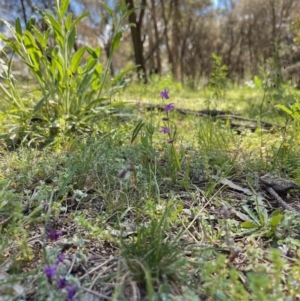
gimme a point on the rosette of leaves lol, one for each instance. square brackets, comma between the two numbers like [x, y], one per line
[72, 91]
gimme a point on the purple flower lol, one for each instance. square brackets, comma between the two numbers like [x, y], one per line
[53, 234]
[71, 292]
[50, 272]
[60, 259]
[138, 102]
[165, 130]
[169, 107]
[62, 283]
[164, 94]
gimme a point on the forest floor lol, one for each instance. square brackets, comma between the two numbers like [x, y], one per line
[162, 204]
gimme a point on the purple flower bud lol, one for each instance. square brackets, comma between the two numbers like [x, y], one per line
[53, 234]
[165, 130]
[171, 141]
[62, 283]
[50, 272]
[169, 107]
[60, 259]
[164, 94]
[71, 292]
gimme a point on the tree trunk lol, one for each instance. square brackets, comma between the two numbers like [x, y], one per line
[166, 31]
[175, 42]
[158, 60]
[137, 40]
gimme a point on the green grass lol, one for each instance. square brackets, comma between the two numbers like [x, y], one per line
[164, 231]
[106, 190]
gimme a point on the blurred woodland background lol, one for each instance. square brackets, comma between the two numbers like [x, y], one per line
[179, 36]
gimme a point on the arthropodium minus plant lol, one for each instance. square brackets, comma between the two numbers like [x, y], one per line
[166, 129]
[52, 275]
[170, 131]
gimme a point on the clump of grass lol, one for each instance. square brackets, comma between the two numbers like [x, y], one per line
[151, 257]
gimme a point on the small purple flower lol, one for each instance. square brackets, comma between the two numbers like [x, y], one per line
[169, 107]
[71, 292]
[164, 94]
[60, 259]
[165, 130]
[50, 272]
[53, 234]
[138, 102]
[62, 283]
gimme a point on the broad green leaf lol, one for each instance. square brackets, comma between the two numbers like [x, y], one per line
[136, 130]
[249, 225]
[57, 66]
[71, 39]
[276, 212]
[68, 21]
[107, 8]
[32, 49]
[84, 84]
[90, 64]
[95, 53]
[63, 7]
[18, 29]
[285, 109]
[82, 16]
[39, 105]
[54, 24]
[96, 83]
[76, 59]
[275, 220]
[251, 214]
[30, 23]
[115, 42]
[14, 46]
